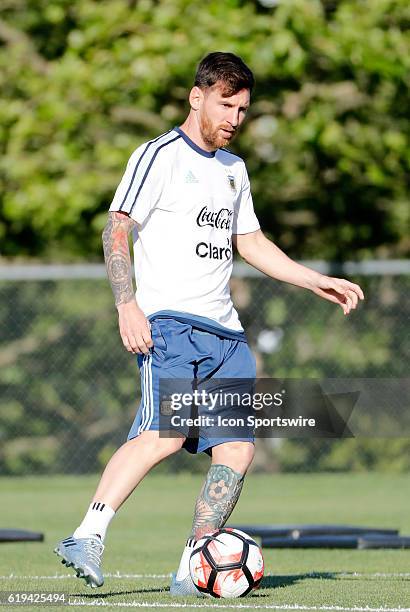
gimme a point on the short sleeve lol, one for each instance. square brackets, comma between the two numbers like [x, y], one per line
[141, 186]
[245, 220]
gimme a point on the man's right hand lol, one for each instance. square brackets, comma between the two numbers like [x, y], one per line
[134, 328]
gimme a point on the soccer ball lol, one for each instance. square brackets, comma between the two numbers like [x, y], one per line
[227, 563]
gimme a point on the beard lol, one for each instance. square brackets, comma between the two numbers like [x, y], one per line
[211, 134]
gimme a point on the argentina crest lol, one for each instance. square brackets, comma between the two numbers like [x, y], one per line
[231, 180]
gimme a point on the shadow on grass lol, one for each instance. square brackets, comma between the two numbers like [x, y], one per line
[269, 582]
[275, 582]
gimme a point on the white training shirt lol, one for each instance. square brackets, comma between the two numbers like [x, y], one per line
[187, 203]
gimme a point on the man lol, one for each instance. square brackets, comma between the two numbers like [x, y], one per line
[186, 199]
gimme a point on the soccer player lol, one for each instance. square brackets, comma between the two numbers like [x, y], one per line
[187, 201]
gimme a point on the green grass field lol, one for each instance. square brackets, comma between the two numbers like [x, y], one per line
[146, 538]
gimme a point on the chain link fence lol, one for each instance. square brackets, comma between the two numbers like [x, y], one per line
[69, 391]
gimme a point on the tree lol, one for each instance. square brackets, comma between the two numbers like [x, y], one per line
[84, 83]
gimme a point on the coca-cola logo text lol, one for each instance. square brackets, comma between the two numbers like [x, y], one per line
[219, 220]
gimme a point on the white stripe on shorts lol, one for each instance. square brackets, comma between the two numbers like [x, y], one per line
[151, 393]
[144, 395]
[147, 395]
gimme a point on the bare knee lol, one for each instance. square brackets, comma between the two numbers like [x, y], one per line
[237, 455]
[168, 446]
[154, 447]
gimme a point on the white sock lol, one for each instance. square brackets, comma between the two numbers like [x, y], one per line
[183, 569]
[95, 522]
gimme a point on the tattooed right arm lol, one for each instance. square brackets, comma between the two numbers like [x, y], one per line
[117, 256]
[134, 327]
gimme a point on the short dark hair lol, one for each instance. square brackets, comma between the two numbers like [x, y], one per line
[228, 68]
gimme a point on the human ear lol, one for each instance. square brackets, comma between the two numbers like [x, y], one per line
[195, 97]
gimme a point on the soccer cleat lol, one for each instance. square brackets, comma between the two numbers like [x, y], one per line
[183, 588]
[84, 556]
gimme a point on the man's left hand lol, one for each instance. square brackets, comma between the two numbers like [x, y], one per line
[339, 291]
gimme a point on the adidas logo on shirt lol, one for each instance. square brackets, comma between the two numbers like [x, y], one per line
[191, 178]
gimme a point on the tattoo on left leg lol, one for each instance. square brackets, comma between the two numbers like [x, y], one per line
[216, 500]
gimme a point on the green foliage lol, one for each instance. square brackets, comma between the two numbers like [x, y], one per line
[318, 342]
[352, 455]
[83, 83]
[69, 390]
[66, 386]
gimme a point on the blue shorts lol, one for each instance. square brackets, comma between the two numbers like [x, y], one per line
[183, 352]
